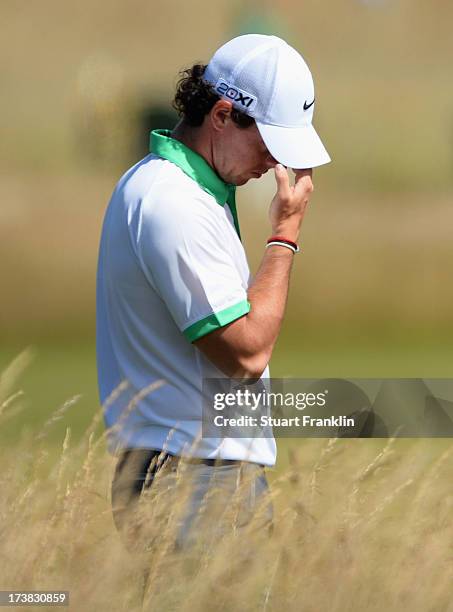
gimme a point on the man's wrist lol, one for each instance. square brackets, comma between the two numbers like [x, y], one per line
[286, 232]
[283, 242]
[279, 252]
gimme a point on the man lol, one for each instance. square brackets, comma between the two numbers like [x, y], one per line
[175, 302]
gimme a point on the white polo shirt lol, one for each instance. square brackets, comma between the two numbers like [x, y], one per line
[171, 269]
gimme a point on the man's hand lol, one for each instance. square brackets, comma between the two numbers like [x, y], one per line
[288, 206]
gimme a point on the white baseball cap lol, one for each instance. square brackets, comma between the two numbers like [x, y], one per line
[269, 80]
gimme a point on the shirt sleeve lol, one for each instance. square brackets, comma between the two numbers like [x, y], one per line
[182, 251]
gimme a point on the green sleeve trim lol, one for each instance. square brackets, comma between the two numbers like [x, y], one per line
[216, 320]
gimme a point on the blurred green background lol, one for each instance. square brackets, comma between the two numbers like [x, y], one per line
[84, 82]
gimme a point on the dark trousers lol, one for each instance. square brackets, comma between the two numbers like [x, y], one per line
[136, 470]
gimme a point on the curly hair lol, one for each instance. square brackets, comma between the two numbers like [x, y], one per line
[195, 97]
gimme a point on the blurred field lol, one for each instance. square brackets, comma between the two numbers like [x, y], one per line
[377, 237]
[359, 525]
[58, 373]
[368, 260]
[385, 103]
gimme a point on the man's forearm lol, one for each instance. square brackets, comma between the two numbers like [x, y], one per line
[243, 348]
[268, 295]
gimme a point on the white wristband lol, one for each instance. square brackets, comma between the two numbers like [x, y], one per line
[283, 244]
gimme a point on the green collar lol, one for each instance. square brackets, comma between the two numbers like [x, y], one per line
[195, 166]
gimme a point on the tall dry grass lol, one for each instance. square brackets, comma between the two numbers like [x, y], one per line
[359, 525]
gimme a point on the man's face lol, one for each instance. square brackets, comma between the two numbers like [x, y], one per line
[239, 154]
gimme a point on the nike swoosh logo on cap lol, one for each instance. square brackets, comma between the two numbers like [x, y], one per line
[307, 106]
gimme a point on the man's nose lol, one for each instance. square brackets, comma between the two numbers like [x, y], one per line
[271, 162]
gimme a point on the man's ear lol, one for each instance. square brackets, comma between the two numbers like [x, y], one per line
[220, 114]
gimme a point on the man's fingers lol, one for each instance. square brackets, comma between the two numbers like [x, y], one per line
[282, 179]
[303, 172]
[304, 184]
